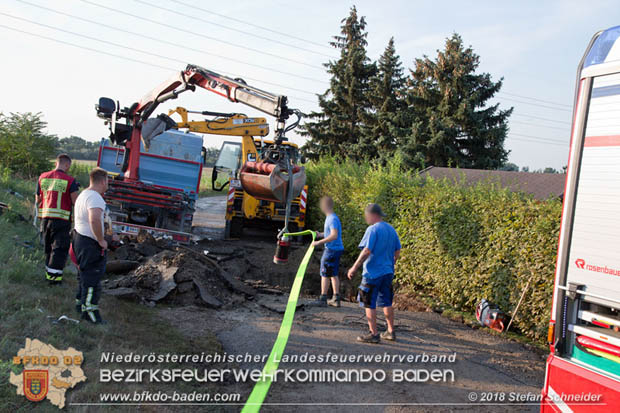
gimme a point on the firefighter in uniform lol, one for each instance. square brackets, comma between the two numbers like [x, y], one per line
[56, 194]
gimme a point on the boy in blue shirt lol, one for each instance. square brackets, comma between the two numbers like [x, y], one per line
[380, 250]
[330, 261]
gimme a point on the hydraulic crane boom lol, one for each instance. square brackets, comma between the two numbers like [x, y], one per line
[235, 90]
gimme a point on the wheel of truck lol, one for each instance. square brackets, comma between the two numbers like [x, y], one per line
[227, 230]
[236, 227]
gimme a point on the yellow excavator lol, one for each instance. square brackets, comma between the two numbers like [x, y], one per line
[242, 209]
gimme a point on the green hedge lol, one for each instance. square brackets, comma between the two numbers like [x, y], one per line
[460, 244]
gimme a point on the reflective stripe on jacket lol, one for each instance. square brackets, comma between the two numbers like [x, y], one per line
[55, 187]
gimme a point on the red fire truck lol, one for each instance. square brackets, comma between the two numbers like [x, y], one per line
[583, 368]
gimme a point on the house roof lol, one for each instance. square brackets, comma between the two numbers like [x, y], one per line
[540, 185]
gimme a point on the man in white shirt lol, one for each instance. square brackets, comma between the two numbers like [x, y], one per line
[89, 243]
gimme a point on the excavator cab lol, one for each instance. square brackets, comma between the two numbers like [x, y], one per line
[227, 165]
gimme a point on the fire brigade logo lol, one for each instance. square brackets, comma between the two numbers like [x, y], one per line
[48, 373]
[36, 384]
[580, 263]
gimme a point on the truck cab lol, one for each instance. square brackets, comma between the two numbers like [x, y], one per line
[583, 367]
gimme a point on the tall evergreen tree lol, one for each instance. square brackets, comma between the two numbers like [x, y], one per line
[451, 122]
[337, 128]
[385, 126]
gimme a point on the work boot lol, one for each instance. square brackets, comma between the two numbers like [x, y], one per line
[321, 302]
[388, 335]
[53, 279]
[89, 315]
[335, 301]
[369, 338]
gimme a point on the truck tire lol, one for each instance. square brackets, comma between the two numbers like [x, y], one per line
[236, 227]
[227, 230]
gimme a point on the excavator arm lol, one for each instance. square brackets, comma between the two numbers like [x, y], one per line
[229, 124]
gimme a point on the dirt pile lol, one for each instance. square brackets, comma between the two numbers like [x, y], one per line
[173, 275]
[211, 273]
[140, 248]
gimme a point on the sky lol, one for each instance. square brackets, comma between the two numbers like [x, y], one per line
[280, 46]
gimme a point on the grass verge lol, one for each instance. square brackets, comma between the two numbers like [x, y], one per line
[28, 304]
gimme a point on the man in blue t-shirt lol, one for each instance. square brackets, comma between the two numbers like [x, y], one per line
[330, 261]
[380, 250]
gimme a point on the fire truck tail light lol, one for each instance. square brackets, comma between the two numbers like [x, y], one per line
[551, 334]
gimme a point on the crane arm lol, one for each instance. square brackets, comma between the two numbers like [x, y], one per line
[235, 90]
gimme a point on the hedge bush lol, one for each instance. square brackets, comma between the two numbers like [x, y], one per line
[460, 243]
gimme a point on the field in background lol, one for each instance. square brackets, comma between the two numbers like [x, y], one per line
[88, 163]
[205, 184]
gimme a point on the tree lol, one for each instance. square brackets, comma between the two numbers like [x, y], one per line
[25, 147]
[386, 124]
[509, 166]
[338, 128]
[547, 170]
[78, 148]
[211, 156]
[451, 122]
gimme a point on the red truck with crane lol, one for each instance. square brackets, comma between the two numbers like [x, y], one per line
[156, 169]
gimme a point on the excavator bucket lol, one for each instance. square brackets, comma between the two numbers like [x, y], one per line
[269, 182]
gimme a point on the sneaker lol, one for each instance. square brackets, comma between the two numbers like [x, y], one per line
[387, 335]
[334, 301]
[369, 338]
[321, 302]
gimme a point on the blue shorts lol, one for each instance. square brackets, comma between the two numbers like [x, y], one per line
[330, 262]
[375, 292]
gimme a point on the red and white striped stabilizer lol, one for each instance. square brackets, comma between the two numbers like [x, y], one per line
[303, 198]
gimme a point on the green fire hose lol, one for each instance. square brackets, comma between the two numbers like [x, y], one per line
[255, 401]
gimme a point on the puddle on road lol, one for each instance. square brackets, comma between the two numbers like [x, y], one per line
[209, 218]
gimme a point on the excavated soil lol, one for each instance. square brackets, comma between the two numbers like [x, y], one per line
[174, 275]
[212, 273]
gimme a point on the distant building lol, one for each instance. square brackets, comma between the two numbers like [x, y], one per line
[541, 185]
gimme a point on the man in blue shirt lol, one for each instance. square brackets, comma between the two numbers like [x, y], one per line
[380, 250]
[330, 261]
